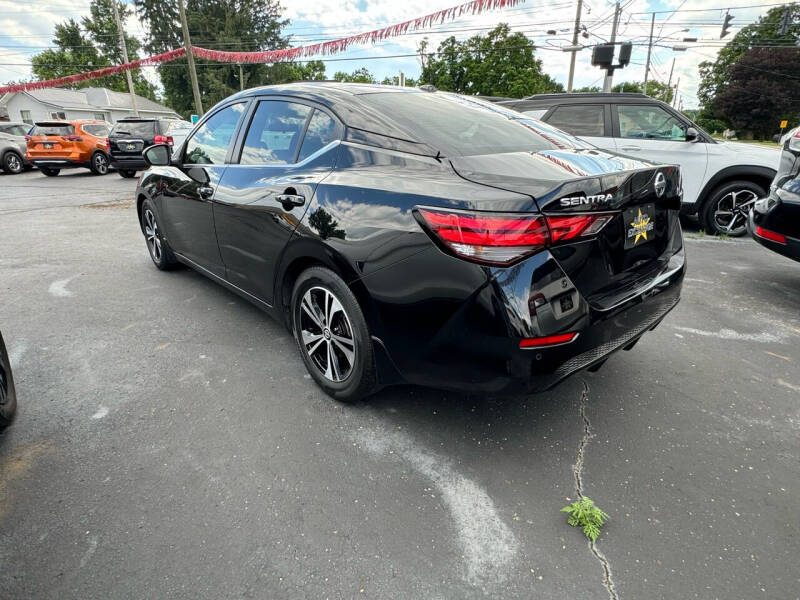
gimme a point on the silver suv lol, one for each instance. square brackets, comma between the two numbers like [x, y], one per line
[13, 146]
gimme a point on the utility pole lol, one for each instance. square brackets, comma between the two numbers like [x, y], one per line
[241, 77]
[574, 44]
[649, 50]
[124, 48]
[675, 99]
[669, 81]
[610, 74]
[187, 43]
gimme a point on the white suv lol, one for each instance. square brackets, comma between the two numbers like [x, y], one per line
[721, 180]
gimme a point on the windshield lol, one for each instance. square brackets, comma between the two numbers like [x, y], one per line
[465, 126]
[65, 129]
[134, 128]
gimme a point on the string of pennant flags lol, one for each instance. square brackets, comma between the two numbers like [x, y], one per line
[283, 55]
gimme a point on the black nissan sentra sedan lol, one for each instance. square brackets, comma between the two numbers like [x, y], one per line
[410, 236]
[775, 220]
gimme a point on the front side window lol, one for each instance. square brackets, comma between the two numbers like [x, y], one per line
[322, 130]
[275, 133]
[209, 144]
[649, 122]
[580, 119]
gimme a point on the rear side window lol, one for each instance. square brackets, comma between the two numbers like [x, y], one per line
[322, 130]
[580, 119]
[65, 129]
[209, 144]
[96, 130]
[275, 133]
[135, 128]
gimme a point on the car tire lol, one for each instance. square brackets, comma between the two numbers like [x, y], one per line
[13, 163]
[99, 163]
[157, 246]
[332, 335]
[50, 172]
[127, 173]
[8, 394]
[722, 205]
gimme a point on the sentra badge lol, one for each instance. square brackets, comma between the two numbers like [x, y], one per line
[587, 200]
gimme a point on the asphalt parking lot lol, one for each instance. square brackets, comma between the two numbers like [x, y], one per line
[169, 443]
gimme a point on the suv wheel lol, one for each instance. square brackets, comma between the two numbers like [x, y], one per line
[49, 171]
[127, 173]
[332, 334]
[13, 163]
[728, 207]
[99, 164]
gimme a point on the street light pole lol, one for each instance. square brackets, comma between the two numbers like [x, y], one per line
[574, 43]
[649, 50]
[187, 44]
[610, 74]
[124, 48]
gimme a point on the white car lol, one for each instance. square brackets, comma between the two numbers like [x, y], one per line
[721, 180]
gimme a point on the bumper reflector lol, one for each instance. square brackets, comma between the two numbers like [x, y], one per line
[548, 340]
[770, 235]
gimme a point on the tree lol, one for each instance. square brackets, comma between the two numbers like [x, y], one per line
[763, 87]
[588, 90]
[235, 25]
[92, 44]
[496, 64]
[714, 75]
[655, 89]
[361, 75]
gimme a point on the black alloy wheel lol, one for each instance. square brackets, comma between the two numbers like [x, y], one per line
[157, 246]
[332, 335]
[727, 210]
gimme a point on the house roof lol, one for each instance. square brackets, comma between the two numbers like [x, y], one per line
[92, 99]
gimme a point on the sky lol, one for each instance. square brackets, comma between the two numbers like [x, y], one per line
[27, 28]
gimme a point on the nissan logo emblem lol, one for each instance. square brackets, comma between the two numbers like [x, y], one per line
[661, 184]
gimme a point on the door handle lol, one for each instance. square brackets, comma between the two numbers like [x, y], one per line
[205, 191]
[289, 201]
[631, 148]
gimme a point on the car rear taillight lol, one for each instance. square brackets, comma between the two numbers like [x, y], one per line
[502, 238]
[27, 138]
[770, 235]
[548, 340]
[163, 139]
[73, 138]
[107, 143]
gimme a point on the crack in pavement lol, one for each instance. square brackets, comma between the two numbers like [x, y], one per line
[577, 471]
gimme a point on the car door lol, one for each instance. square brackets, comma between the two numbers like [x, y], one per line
[653, 133]
[185, 201]
[286, 150]
[590, 122]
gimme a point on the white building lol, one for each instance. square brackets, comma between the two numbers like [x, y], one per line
[87, 103]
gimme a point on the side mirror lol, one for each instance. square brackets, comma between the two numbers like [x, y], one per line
[158, 155]
[692, 135]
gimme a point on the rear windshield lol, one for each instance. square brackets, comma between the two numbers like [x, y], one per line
[464, 126]
[134, 128]
[65, 129]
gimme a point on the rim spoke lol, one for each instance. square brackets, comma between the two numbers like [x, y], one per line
[309, 309]
[310, 337]
[348, 353]
[334, 361]
[315, 347]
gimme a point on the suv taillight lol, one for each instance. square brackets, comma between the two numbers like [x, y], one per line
[163, 139]
[503, 238]
[107, 142]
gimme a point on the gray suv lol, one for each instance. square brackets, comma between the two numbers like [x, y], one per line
[13, 146]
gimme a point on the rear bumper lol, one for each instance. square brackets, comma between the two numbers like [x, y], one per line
[779, 216]
[133, 163]
[459, 325]
[58, 163]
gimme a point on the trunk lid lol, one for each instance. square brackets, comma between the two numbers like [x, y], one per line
[634, 247]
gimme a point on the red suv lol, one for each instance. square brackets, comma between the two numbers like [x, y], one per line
[56, 145]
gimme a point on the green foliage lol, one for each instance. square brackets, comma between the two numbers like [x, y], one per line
[247, 25]
[714, 75]
[410, 81]
[496, 64]
[92, 44]
[587, 90]
[583, 513]
[655, 89]
[361, 75]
